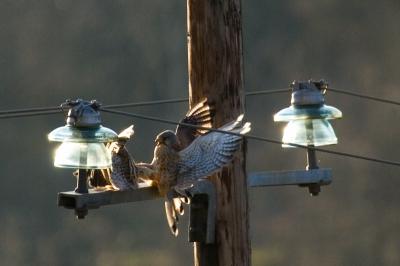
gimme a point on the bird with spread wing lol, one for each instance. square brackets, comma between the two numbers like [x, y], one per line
[187, 155]
[180, 158]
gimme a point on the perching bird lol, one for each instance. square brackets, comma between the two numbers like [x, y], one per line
[123, 174]
[180, 167]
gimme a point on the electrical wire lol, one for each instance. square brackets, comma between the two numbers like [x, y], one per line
[364, 96]
[253, 137]
[254, 93]
[147, 103]
[31, 113]
[56, 109]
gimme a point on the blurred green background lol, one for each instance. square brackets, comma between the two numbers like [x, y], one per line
[132, 51]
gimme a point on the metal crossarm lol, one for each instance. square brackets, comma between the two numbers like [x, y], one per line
[312, 179]
[202, 205]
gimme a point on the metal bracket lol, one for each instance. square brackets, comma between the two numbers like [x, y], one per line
[313, 178]
[202, 214]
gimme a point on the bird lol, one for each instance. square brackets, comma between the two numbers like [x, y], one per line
[207, 154]
[201, 115]
[124, 173]
[187, 155]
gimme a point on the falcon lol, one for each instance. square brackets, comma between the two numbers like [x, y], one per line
[187, 155]
[124, 173]
[205, 155]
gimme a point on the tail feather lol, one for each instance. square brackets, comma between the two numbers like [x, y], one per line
[170, 210]
[173, 207]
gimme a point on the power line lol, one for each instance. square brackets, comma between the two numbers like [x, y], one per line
[31, 113]
[53, 110]
[57, 109]
[147, 103]
[364, 96]
[267, 92]
[254, 137]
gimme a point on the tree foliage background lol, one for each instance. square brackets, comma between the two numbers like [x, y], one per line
[124, 51]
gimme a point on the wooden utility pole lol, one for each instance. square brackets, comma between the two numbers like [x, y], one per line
[216, 71]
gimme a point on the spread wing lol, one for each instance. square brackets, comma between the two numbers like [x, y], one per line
[200, 115]
[209, 153]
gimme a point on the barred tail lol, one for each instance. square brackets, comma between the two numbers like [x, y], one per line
[170, 211]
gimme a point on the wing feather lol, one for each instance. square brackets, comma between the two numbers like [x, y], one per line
[209, 153]
[200, 115]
